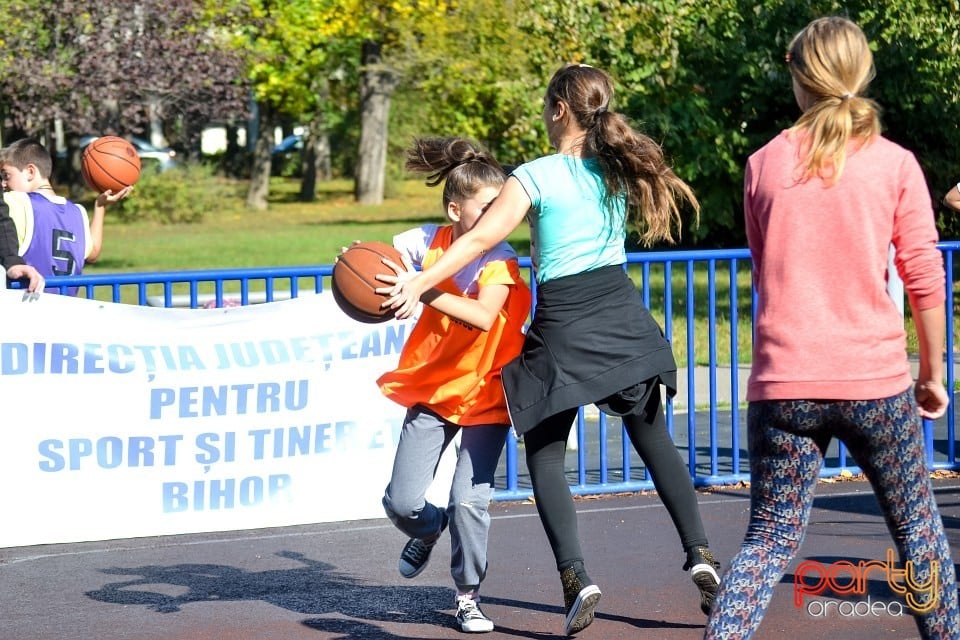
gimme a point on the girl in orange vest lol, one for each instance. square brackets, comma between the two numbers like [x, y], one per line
[448, 375]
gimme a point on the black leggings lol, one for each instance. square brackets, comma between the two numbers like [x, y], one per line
[546, 446]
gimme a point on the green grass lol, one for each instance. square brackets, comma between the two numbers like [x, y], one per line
[288, 233]
[293, 233]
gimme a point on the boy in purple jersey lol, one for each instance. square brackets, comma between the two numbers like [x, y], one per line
[10, 260]
[55, 235]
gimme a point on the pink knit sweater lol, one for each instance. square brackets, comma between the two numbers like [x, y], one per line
[826, 327]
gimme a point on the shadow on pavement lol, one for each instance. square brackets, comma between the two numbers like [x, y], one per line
[317, 588]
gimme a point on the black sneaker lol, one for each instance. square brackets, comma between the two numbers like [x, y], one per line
[580, 598]
[415, 556]
[416, 553]
[471, 618]
[703, 571]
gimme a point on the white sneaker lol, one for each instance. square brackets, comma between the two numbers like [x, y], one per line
[471, 618]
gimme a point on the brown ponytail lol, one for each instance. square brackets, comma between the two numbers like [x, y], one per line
[462, 166]
[631, 163]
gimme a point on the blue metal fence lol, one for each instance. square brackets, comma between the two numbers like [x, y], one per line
[705, 302]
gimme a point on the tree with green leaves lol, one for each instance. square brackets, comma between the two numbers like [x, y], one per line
[476, 77]
[390, 38]
[708, 79]
[292, 50]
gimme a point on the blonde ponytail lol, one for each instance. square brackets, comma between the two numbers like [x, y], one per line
[831, 65]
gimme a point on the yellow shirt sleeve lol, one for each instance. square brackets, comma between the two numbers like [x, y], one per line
[500, 272]
[21, 212]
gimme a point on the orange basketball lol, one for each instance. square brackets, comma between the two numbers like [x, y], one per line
[355, 281]
[110, 163]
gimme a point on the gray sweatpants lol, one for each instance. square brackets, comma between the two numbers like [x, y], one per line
[424, 438]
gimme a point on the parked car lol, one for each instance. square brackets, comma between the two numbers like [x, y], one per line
[150, 156]
[165, 157]
[290, 144]
[286, 156]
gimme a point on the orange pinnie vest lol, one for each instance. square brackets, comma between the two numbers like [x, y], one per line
[453, 369]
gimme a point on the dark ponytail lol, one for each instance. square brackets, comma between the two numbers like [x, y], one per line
[462, 166]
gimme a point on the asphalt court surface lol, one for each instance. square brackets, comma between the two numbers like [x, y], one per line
[340, 581]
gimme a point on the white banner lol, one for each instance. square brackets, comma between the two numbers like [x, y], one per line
[122, 421]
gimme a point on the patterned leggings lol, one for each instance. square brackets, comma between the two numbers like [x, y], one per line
[787, 441]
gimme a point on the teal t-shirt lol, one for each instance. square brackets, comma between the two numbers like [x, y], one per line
[570, 231]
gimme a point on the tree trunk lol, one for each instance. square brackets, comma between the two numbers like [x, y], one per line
[321, 149]
[156, 123]
[377, 83]
[315, 163]
[260, 171]
[72, 166]
[190, 142]
[308, 169]
[233, 156]
[108, 120]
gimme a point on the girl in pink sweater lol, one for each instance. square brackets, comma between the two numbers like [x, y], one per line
[823, 202]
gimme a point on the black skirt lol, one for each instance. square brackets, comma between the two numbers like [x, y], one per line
[591, 341]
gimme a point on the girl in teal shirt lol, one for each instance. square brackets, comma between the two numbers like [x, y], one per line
[591, 340]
